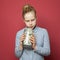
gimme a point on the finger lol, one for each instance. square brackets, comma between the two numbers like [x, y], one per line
[32, 37]
[23, 35]
[31, 42]
[22, 38]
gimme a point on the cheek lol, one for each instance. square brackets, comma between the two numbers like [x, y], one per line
[27, 24]
[34, 22]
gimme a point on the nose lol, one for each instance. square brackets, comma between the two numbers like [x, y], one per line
[30, 22]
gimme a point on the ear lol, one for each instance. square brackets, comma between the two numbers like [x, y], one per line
[24, 21]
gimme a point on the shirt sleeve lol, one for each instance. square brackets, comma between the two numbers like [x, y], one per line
[45, 49]
[18, 51]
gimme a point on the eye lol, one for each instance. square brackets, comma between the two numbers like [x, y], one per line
[26, 20]
[32, 19]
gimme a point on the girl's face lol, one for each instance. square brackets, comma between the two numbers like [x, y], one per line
[30, 19]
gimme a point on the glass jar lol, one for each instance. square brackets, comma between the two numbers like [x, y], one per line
[26, 43]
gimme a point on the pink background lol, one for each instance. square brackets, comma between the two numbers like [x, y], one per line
[11, 21]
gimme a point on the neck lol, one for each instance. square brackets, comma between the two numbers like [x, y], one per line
[34, 27]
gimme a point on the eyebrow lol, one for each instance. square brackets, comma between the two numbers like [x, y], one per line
[31, 19]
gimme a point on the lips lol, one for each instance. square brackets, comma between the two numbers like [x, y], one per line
[31, 26]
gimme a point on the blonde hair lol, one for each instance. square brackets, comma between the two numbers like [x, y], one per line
[28, 8]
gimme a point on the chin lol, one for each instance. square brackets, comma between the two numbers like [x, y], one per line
[30, 27]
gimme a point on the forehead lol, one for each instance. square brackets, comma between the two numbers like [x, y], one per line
[29, 15]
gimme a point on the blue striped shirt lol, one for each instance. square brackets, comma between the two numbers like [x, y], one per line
[42, 45]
